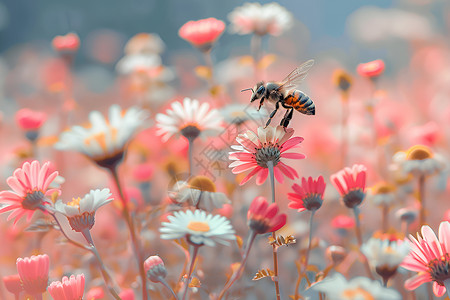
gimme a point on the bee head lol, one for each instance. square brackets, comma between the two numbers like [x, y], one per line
[258, 91]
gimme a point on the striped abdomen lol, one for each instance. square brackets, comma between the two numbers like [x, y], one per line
[300, 102]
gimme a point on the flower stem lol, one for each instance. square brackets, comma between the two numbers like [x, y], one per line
[421, 197]
[106, 277]
[237, 274]
[344, 136]
[385, 217]
[209, 63]
[274, 249]
[360, 242]
[191, 268]
[164, 282]
[447, 286]
[255, 45]
[134, 239]
[190, 151]
[65, 235]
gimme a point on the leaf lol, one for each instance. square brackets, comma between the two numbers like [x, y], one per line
[282, 241]
[263, 273]
[239, 241]
[195, 282]
[41, 226]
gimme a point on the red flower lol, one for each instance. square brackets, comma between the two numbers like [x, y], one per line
[263, 218]
[343, 222]
[68, 288]
[371, 69]
[430, 257]
[351, 184]
[308, 196]
[28, 119]
[66, 43]
[202, 33]
[13, 284]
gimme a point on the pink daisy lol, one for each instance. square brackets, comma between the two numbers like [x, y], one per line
[29, 186]
[264, 217]
[33, 272]
[202, 33]
[256, 150]
[351, 183]
[308, 196]
[430, 257]
[68, 288]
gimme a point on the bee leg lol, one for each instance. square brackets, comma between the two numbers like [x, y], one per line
[261, 102]
[272, 114]
[287, 118]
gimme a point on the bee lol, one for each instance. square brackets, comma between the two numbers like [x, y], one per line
[286, 94]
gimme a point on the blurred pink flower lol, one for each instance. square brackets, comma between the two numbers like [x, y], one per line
[308, 196]
[430, 258]
[154, 267]
[143, 172]
[33, 272]
[371, 69]
[202, 33]
[29, 186]
[95, 293]
[127, 294]
[256, 150]
[264, 218]
[66, 43]
[13, 284]
[351, 184]
[28, 119]
[427, 134]
[343, 222]
[68, 288]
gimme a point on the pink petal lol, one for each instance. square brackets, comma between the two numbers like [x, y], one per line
[262, 176]
[293, 155]
[278, 175]
[444, 236]
[416, 281]
[291, 143]
[438, 290]
[250, 175]
[243, 168]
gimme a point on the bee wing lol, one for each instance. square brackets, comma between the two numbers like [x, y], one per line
[294, 78]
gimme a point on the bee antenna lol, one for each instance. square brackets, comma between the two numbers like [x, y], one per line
[247, 90]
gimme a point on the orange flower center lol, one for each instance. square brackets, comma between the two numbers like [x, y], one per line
[202, 183]
[100, 138]
[383, 188]
[357, 293]
[198, 226]
[419, 152]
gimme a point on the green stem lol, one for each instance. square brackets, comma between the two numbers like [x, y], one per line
[274, 250]
[106, 277]
[134, 239]
[164, 282]
[360, 242]
[237, 274]
[190, 151]
[191, 268]
[65, 235]
[422, 217]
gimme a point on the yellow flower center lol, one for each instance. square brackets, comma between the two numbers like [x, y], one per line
[74, 202]
[202, 183]
[198, 226]
[357, 293]
[383, 188]
[419, 152]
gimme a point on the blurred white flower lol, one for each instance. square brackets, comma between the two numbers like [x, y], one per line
[258, 19]
[138, 63]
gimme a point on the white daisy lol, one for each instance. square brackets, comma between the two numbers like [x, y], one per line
[419, 161]
[190, 119]
[80, 211]
[336, 287]
[382, 194]
[198, 227]
[104, 140]
[270, 18]
[138, 62]
[201, 191]
[383, 253]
